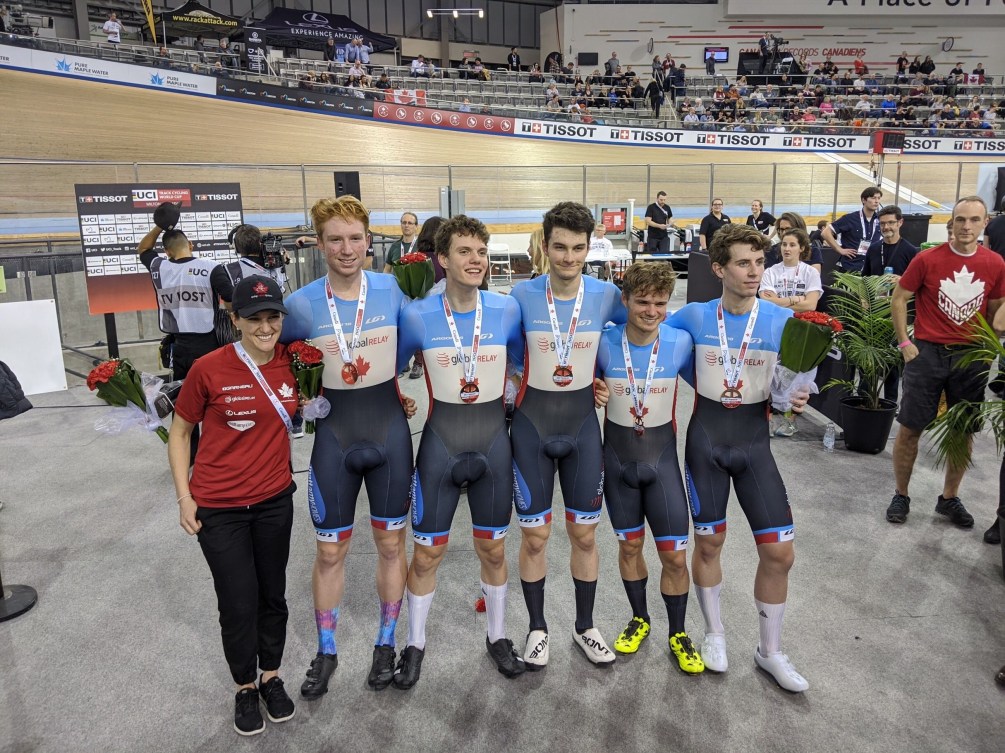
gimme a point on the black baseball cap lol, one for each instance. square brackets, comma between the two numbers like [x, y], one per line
[257, 293]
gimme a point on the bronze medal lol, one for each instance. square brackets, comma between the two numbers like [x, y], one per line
[469, 392]
[731, 398]
[562, 376]
[350, 374]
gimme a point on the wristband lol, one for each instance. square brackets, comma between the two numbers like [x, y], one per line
[904, 344]
[183, 497]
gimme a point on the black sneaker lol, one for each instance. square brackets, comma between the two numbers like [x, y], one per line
[955, 511]
[406, 674]
[247, 716]
[316, 684]
[278, 705]
[993, 535]
[382, 667]
[898, 509]
[1000, 677]
[507, 660]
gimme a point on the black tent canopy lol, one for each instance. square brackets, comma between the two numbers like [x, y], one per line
[192, 19]
[310, 30]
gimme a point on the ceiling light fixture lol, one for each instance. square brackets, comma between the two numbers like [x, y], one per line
[455, 12]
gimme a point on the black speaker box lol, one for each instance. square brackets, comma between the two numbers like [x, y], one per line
[588, 59]
[347, 184]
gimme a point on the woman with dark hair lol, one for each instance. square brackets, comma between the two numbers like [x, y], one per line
[238, 499]
[927, 67]
[426, 243]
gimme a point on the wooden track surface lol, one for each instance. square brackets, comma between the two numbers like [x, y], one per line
[65, 119]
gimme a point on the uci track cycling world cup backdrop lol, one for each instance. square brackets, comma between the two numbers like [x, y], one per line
[114, 217]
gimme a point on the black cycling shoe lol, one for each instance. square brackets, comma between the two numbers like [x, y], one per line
[316, 684]
[899, 508]
[507, 660]
[955, 511]
[382, 667]
[406, 674]
[994, 534]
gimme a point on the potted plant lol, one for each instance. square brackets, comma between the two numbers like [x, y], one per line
[867, 345]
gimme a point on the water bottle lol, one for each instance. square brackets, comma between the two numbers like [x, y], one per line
[830, 433]
[887, 285]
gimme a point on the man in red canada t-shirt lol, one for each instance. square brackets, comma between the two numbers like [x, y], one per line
[950, 283]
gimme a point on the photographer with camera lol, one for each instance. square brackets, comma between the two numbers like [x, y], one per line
[259, 255]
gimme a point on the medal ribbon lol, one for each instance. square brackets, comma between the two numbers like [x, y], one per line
[345, 348]
[637, 399]
[471, 365]
[733, 375]
[564, 349]
[260, 378]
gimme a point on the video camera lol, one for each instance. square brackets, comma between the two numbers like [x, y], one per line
[273, 255]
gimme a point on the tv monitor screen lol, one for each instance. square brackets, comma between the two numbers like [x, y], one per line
[721, 54]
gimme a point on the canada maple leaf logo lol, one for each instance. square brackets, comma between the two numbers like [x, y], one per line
[636, 416]
[286, 390]
[464, 382]
[260, 288]
[362, 367]
[739, 385]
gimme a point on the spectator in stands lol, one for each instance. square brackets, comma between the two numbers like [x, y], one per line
[979, 72]
[603, 250]
[927, 68]
[465, 105]
[915, 65]
[331, 53]
[535, 76]
[680, 82]
[710, 64]
[513, 60]
[200, 47]
[6, 22]
[163, 58]
[551, 93]
[815, 236]
[829, 69]
[358, 51]
[902, 63]
[690, 118]
[612, 64]
[383, 82]
[420, 68]
[711, 224]
[637, 93]
[654, 93]
[217, 69]
[227, 56]
[113, 28]
[477, 70]
[860, 67]
[355, 74]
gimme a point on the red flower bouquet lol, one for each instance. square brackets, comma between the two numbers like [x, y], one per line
[806, 340]
[119, 384]
[307, 370]
[414, 273]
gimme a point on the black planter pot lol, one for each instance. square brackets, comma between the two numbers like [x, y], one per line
[865, 429]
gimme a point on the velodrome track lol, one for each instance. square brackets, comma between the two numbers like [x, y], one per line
[65, 119]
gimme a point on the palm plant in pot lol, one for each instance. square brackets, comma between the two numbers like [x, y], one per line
[867, 345]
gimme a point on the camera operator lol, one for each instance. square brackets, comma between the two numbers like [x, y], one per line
[259, 255]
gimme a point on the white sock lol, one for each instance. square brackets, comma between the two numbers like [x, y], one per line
[770, 624]
[418, 610]
[708, 600]
[495, 610]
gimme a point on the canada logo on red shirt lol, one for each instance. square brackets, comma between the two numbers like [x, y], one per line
[961, 297]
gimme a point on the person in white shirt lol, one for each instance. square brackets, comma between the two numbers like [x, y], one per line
[602, 250]
[419, 68]
[793, 284]
[113, 28]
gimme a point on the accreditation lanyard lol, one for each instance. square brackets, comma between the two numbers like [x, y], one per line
[260, 378]
[868, 228]
[469, 365]
[256, 266]
[639, 398]
[404, 251]
[564, 349]
[733, 373]
[346, 349]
